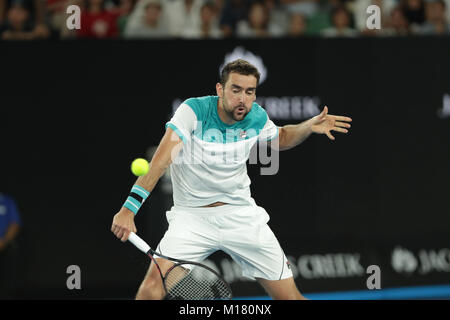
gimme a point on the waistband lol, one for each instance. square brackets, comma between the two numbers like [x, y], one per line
[223, 209]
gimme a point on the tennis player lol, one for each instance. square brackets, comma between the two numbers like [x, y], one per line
[207, 144]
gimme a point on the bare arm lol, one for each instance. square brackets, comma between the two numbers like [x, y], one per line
[10, 235]
[169, 147]
[167, 150]
[292, 135]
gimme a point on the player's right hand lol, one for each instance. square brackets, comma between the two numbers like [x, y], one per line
[123, 224]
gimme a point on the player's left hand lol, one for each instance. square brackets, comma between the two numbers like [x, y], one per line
[324, 123]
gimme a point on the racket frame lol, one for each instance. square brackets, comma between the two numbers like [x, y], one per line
[143, 246]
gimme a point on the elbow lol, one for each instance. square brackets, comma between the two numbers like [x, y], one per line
[160, 165]
[279, 144]
[163, 159]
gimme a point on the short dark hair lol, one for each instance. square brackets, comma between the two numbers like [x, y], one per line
[239, 66]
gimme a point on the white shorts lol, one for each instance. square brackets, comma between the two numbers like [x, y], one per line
[240, 231]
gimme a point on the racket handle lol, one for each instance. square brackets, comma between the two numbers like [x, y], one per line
[138, 242]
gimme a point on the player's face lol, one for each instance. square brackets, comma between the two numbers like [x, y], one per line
[238, 95]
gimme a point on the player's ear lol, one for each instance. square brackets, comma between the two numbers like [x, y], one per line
[219, 89]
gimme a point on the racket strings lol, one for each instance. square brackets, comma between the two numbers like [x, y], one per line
[193, 282]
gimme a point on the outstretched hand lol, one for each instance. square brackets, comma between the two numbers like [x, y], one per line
[324, 123]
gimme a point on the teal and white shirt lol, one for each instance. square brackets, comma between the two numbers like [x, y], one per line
[212, 166]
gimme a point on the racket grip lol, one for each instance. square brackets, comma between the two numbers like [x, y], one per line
[138, 242]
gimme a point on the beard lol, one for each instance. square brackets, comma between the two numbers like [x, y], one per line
[236, 113]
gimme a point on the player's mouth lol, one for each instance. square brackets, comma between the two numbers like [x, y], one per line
[240, 110]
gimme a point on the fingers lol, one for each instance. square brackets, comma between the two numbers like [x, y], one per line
[125, 235]
[342, 124]
[340, 130]
[123, 225]
[122, 233]
[116, 230]
[324, 112]
[330, 135]
[337, 118]
[322, 116]
[341, 118]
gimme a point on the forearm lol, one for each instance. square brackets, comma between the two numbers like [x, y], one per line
[167, 150]
[11, 233]
[156, 170]
[292, 135]
[148, 182]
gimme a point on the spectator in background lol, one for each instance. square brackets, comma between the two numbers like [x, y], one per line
[435, 23]
[258, 24]
[306, 7]
[297, 25]
[233, 12]
[97, 21]
[397, 25]
[209, 24]
[219, 5]
[36, 8]
[21, 23]
[56, 11]
[447, 6]
[277, 14]
[146, 21]
[341, 20]
[9, 229]
[124, 11]
[414, 11]
[182, 15]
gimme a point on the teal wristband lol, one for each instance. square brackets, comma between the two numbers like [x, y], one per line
[136, 198]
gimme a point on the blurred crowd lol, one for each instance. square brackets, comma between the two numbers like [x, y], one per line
[216, 19]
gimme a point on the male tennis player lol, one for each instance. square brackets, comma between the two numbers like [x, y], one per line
[213, 208]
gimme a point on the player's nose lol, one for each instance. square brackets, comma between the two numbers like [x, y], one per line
[242, 98]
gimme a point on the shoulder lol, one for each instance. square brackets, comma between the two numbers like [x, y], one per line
[258, 117]
[201, 105]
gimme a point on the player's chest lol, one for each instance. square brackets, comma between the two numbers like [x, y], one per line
[236, 152]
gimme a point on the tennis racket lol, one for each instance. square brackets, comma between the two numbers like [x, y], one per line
[187, 280]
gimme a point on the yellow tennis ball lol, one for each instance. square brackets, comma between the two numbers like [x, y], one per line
[139, 167]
